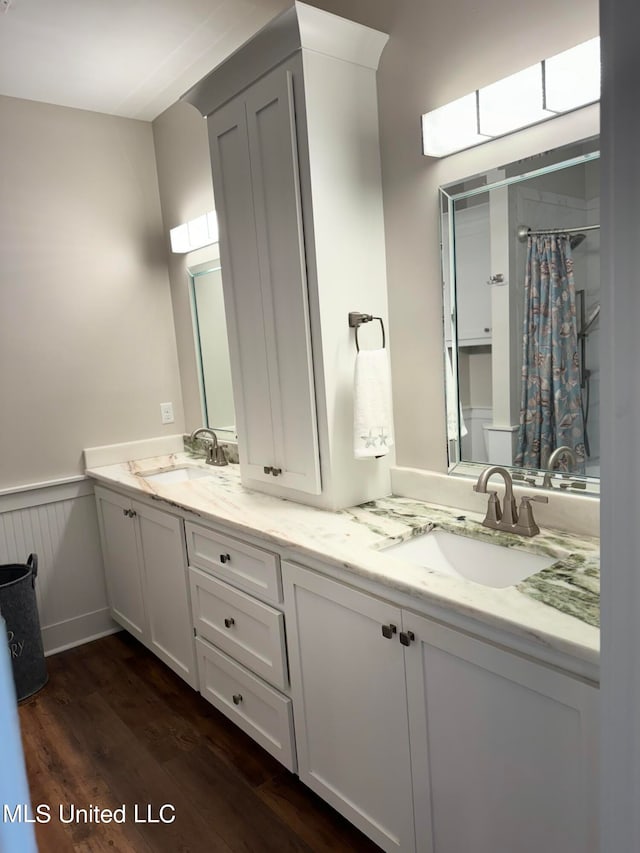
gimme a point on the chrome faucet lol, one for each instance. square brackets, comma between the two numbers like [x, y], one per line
[557, 454]
[507, 517]
[215, 453]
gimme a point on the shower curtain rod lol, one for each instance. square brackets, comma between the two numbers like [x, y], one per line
[524, 231]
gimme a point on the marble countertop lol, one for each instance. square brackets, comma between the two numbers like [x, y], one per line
[558, 607]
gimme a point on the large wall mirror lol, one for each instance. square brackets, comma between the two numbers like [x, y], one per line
[212, 349]
[521, 274]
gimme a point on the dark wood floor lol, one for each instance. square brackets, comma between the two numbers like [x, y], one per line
[114, 726]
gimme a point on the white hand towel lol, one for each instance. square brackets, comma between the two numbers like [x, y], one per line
[372, 413]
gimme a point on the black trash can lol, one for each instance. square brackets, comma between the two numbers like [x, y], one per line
[19, 608]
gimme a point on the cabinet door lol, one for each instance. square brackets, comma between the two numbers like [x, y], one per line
[255, 176]
[170, 632]
[503, 749]
[349, 697]
[283, 278]
[231, 171]
[122, 570]
[473, 268]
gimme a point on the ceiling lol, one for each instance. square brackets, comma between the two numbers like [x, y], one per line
[131, 58]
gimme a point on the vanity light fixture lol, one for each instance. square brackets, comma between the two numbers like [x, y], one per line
[195, 234]
[564, 82]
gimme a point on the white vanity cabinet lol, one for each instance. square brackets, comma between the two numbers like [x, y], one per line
[432, 740]
[240, 639]
[293, 131]
[145, 569]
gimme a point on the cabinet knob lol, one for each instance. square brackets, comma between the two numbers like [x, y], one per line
[276, 471]
[228, 623]
[267, 469]
[406, 637]
[130, 513]
[225, 558]
[388, 631]
[237, 698]
[487, 329]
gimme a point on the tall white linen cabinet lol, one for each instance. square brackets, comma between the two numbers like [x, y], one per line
[293, 128]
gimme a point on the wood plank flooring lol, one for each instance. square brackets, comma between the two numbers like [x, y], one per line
[115, 727]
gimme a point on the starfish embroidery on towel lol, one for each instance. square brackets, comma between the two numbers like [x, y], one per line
[369, 440]
[383, 438]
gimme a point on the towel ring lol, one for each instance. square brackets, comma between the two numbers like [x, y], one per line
[356, 320]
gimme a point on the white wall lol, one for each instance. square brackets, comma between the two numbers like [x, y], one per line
[438, 52]
[87, 346]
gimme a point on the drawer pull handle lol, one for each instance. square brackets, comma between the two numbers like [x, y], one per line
[388, 631]
[237, 698]
[225, 558]
[267, 469]
[406, 637]
[276, 472]
[229, 622]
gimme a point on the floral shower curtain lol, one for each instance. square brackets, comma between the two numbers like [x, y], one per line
[551, 402]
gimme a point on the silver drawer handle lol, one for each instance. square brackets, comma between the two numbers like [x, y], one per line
[229, 622]
[237, 698]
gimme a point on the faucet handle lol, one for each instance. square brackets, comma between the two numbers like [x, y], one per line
[494, 510]
[526, 525]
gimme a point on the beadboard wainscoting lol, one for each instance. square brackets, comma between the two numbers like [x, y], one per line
[58, 522]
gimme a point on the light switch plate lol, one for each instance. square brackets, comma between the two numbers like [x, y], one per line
[166, 411]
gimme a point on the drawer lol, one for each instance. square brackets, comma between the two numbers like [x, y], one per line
[259, 710]
[248, 630]
[252, 569]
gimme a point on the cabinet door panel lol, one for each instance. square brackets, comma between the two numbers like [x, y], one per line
[260, 711]
[250, 631]
[120, 551]
[280, 240]
[503, 749]
[254, 570]
[350, 713]
[241, 284]
[170, 633]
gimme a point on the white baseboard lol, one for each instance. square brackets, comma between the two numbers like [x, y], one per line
[76, 631]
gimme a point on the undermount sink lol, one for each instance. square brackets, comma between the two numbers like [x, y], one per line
[482, 562]
[174, 475]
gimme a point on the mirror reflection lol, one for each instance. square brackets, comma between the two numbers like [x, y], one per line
[212, 350]
[521, 272]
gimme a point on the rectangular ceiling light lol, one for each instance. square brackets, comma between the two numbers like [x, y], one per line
[512, 103]
[572, 78]
[452, 127]
[194, 234]
[180, 239]
[564, 82]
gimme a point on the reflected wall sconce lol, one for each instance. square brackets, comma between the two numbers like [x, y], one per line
[195, 234]
[554, 86]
